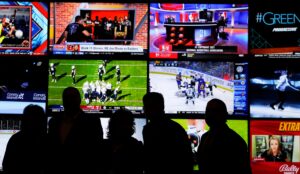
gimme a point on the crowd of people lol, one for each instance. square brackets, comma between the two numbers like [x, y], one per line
[74, 142]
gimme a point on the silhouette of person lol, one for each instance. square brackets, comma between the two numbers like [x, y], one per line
[166, 143]
[275, 153]
[221, 150]
[75, 138]
[25, 152]
[125, 152]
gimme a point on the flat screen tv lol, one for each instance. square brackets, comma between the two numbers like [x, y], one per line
[23, 28]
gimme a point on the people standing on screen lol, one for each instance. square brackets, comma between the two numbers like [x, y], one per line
[221, 149]
[97, 28]
[275, 153]
[88, 23]
[282, 84]
[120, 29]
[53, 72]
[167, 147]
[26, 149]
[100, 72]
[76, 32]
[125, 151]
[73, 74]
[118, 74]
[108, 28]
[75, 138]
[129, 27]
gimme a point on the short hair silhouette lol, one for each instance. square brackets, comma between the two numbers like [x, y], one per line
[78, 18]
[154, 105]
[121, 124]
[34, 119]
[216, 112]
[71, 98]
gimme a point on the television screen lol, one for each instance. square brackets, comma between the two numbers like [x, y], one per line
[274, 146]
[195, 128]
[104, 85]
[275, 29]
[23, 28]
[274, 88]
[199, 30]
[8, 127]
[139, 125]
[187, 86]
[22, 82]
[108, 29]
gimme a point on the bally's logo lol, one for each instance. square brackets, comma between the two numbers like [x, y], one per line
[286, 169]
[269, 18]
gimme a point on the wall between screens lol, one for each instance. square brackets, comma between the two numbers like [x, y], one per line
[245, 53]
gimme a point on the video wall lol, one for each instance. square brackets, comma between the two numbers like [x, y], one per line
[245, 53]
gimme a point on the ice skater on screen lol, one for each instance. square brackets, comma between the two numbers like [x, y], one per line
[282, 84]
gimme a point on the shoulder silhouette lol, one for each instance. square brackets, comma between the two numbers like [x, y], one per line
[221, 149]
[25, 152]
[74, 138]
[167, 147]
[126, 152]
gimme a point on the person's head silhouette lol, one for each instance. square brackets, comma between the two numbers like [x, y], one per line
[121, 125]
[154, 106]
[216, 113]
[34, 120]
[71, 100]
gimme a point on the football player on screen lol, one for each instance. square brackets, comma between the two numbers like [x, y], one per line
[53, 72]
[73, 74]
[100, 72]
[118, 74]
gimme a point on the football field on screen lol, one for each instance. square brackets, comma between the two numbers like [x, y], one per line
[132, 88]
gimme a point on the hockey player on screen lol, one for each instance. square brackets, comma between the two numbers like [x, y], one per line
[201, 86]
[73, 74]
[101, 72]
[53, 72]
[179, 80]
[193, 81]
[190, 94]
[283, 82]
[118, 74]
[210, 86]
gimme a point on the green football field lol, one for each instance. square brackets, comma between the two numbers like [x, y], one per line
[133, 84]
[239, 126]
